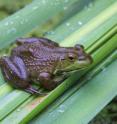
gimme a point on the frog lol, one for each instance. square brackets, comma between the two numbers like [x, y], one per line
[41, 60]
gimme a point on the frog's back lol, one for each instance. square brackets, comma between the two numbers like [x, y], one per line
[39, 58]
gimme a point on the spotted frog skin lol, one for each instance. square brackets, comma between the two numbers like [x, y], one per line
[43, 61]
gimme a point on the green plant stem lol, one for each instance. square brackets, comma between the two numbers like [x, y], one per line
[60, 102]
[84, 104]
[103, 39]
[8, 101]
[99, 26]
[79, 20]
[72, 90]
[5, 89]
[3, 111]
[16, 25]
[32, 108]
[89, 42]
[29, 109]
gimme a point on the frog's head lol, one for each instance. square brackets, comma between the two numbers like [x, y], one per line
[75, 58]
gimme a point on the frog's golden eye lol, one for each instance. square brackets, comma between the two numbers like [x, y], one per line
[71, 57]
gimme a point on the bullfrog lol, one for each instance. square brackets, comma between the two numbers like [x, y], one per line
[43, 61]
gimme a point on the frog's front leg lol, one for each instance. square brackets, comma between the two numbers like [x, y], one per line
[15, 72]
[49, 81]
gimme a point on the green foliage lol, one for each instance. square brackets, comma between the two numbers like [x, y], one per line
[94, 26]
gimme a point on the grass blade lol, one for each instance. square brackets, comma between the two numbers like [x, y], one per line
[84, 104]
[29, 109]
[99, 26]
[32, 15]
[58, 107]
[79, 20]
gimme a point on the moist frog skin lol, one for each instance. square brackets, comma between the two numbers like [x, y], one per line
[43, 61]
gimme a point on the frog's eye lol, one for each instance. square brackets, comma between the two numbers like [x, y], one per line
[79, 47]
[71, 57]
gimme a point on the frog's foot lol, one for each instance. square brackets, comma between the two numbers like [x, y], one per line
[35, 91]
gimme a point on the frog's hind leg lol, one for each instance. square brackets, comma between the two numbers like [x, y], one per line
[14, 71]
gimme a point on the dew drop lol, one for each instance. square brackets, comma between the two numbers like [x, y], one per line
[12, 30]
[6, 24]
[79, 23]
[24, 21]
[66, 1]
[43, 1]
[35, 7]
[17, 16]
[103, 69]
[49, 33]
[11, 22]
[89, 6]
[67, 24]
[61, 109]
[65, 7]
[18, 110]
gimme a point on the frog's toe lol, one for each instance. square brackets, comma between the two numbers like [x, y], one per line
[35, 91]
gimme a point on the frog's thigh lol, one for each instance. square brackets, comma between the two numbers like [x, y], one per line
[14, 73]
[19, 67]
[12, 70]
